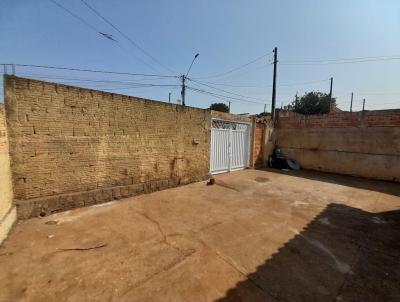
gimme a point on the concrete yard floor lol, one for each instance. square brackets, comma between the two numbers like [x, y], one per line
[253, 236]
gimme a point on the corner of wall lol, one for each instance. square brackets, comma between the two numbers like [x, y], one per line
[6, 223]
[270, 139]
[8, 213]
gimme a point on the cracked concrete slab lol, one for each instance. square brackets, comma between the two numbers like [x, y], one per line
[245, 239]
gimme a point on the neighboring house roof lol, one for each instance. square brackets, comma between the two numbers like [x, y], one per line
[335, 109]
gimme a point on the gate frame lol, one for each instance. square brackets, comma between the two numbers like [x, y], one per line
[249, 145]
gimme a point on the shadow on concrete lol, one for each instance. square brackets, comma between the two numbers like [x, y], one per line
[344, 254]
[387, 187]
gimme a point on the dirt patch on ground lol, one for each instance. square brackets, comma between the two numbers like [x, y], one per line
[261, 236]
[261, 179]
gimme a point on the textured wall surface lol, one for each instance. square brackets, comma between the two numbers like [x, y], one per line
[7, 210]
[66, 140]
[364, 144]
[258, 145]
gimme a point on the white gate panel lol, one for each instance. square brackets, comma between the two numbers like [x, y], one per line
[230, 146]
[239, 144]
[220, 140]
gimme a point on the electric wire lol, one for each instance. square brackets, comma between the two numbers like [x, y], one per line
[57, 77]
[341, 59]
[90, 70]
[125, 36]
[236, 68]
[79, 18]
[131, 85]
[226, 97]
[222, 90]
[338, 62]
[104, 35]
[91, 82]
[266, 85]
[100, 83]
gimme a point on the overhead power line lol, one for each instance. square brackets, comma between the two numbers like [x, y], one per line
[266, 85]
[380, 104]
[125, 36]
[224, 97]
[131, 84]
[341, 61]
[112, 86]
[91, 70]
[63, 77]
[236, 85]
[108, 87]
[224, 91]
[378, 93]
[370, 102]
[96, 81]
[303, 83]
[236, 68]
[81, 20]
[104, 35]
[134, 87]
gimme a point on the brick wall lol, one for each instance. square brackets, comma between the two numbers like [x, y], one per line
[74, 147]
[364, 144]
[263, 141]
[258, 143]
[377, 118]
[7, 210]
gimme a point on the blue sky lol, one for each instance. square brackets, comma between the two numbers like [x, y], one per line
[226, 33]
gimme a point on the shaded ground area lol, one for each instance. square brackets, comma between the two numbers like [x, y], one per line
[254, 236]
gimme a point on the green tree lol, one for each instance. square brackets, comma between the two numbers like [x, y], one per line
[264, 114]
[313, 102]
[219, 107]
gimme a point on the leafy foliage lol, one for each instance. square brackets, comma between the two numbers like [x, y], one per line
[264, 114]
[313, 102]
[220, 107]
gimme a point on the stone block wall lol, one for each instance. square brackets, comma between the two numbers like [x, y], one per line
[74, 147]
[363, 144]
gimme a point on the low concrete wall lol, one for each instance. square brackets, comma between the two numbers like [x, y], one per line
[7, 209]
[365, 144]
[73, 147]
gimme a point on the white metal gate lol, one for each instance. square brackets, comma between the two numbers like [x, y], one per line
[230, 146]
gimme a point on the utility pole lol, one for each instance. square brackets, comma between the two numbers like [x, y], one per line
[265, 107]
[183, 90]
[229, 106]
[330, 95]
[169, 97]
[351, 103]
[274, 84]
[363, 105]
[184, 77]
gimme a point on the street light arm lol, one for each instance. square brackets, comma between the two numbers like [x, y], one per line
[195, 57]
